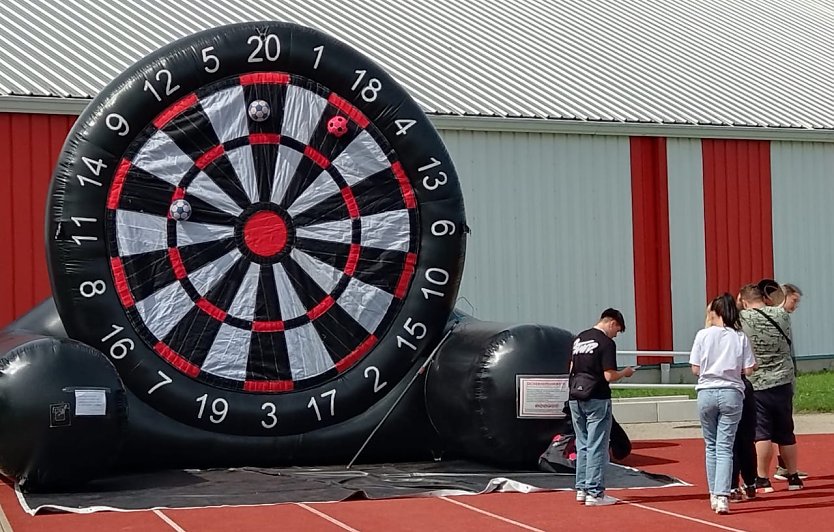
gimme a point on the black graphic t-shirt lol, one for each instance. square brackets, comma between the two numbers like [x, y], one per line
[593, 353]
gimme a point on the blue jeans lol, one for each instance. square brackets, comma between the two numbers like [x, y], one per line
[592, 423]
[720, 411]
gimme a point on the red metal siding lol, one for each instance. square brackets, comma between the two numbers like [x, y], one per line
[29, 148]
[652, 269]
[737, 214]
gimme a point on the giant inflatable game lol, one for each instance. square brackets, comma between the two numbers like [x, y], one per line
[255, 240]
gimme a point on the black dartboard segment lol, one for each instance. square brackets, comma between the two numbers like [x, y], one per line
[260, 228]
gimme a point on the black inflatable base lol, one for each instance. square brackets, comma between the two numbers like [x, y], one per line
[248, 486]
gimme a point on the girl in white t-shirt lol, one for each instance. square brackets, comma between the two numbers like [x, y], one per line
[720, 354]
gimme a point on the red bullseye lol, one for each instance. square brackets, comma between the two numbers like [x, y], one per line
[265, 233]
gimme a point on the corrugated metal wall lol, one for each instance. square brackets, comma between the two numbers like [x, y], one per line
[650, 213]
[551, 226]
[737, 213]
[551, 215]
[686, 239]
[29, 147]
[803, 247]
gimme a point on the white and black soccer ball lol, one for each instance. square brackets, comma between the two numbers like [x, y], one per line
[180, 210]
[259, 110]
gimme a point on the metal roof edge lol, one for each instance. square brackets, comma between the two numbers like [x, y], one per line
[631, 129]
[43, 105]
[74, 106]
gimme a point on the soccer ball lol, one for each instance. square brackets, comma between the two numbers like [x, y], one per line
[259, 110]
[337, 126]
[180, 210]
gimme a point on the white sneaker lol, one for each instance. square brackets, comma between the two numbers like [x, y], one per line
[604, 500]
[713, 500]
[722, 504]
[580, 496]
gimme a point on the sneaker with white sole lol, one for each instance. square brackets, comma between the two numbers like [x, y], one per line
[722, 504]
[795, 482]
[602, 500]
[580, 496]
[763, 485]
[782, 474]
[712, 501]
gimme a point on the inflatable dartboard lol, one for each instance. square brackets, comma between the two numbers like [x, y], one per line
[259, 227]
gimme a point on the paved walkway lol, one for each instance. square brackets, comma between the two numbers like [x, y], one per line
[805, 424]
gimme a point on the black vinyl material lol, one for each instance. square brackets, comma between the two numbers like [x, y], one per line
[79, 252]
[49, 441]
[480, 363]
[188, 489]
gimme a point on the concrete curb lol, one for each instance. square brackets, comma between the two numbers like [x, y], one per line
[656, 410]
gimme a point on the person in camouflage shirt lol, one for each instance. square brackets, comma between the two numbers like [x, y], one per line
[769, 329]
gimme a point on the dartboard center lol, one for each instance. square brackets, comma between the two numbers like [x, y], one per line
[265, 233]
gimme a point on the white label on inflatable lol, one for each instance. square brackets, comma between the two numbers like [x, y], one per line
[362, 158]
[90, 402]
[365, 303]
[386, 230]
[285, 166]
[302, 112]
[541, 396]
[244, 165]
[161, 157]
[319, 190]
[226, 110]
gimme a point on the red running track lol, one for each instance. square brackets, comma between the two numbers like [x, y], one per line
[645, 510]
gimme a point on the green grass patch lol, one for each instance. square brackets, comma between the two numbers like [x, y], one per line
[650, 392]
[813, 392]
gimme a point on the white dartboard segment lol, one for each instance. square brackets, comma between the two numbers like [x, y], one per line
[140, 232]
[162, 310]
[161, 157]
[204, 188]
[362, 158]
[285, 167]
[226, 110]
[302, 112]
[319, 190]
[229, 353]
[244, 165]
[365, 303]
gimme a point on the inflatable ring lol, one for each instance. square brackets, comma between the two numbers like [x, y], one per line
[259, 227]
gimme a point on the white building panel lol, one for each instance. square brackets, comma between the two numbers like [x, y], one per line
[686, 240]
[551, 227]
[802, 175]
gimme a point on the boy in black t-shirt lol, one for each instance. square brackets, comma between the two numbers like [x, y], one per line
[593, 366]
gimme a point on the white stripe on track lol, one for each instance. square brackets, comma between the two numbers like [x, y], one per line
[694, 519]
[326, 517]
[494, 516]
[168, 520]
